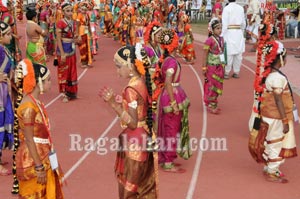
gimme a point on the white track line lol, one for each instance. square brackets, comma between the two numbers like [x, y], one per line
[195, 175]
[57, 97]
[248, 68]
[77, 164]
[196, 170]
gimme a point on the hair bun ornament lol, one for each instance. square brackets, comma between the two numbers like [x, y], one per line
[126, 53]
[2, 25]
[166, 37]
[168, 40]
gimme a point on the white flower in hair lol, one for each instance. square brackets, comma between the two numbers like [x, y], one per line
[166, 38]
[21, 69]
[138, 49]
[280, 47]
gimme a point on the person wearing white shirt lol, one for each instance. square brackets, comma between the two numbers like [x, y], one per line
[234, 24]
[253, 14]
[208, 7]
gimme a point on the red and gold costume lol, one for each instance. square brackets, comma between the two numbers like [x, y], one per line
[19, 10]
[141, 182]
[67, 72]
[187, 46]
[84, 32]
[108, 19]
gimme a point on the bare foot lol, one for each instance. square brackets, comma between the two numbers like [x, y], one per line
[4, 171]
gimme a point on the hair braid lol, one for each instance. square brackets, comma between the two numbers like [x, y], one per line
[151, 144]
[19, 85]
[149, 120]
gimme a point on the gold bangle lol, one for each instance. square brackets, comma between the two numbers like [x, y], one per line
[285, 120]
[204, 68]
[172, 103]
[125, 117]
[39, 168]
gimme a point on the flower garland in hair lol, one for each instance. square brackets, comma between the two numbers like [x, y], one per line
[153, 26]
[29, 81]
[156, 77]
[140, 67]
[139, 59]
[262, 70]
[269, 53]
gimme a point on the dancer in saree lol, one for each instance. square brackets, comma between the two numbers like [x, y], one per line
[108, 19]
[173, 104]
[37, 177]
[6, 105]
[44, 22]
[152, 45]
[135, 166]
[213, 67]
[94, 16]
[187, 47]
[67, 35]
[83, 23]
[6, 15]
[35, 47]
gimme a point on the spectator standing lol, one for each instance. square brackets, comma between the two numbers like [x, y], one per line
[208, 8]
[233, 20]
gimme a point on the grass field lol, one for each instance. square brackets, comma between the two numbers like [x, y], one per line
[200, 27]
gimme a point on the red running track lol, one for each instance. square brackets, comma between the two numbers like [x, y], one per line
[230, 173]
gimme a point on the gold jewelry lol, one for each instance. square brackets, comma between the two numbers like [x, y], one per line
[125, 117]
[39, 168]
[40, 82]
[285, 120]
[173, 103]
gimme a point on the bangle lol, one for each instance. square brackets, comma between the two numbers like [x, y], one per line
[204, 68]
[173, 102]
[125, 117]
[39, 168]
[285, 120]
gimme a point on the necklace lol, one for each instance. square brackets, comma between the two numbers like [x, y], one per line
[70, 24]
[134, 78]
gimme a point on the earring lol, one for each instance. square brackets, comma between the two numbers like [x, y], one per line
[130, 74]
[40, 83]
